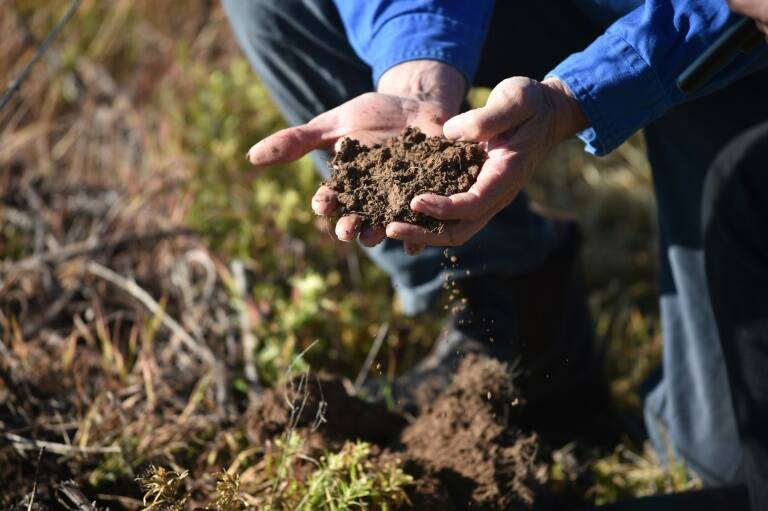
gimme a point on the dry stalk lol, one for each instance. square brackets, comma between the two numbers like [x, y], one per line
[26, 444]
[249, 339]
[375, 348]
[132, 288]
[15, 85]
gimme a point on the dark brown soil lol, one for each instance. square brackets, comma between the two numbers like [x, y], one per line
[378, 182]
[462, 449]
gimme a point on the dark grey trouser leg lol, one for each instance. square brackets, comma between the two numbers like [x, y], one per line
[300, 51]
[691, 410]
[735, 212]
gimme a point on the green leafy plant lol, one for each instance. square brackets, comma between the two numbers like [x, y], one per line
[626, 474]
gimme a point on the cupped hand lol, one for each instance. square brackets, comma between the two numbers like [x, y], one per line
[370, 118]
[521, 122]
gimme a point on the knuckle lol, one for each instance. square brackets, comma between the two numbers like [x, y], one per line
[509, 90]
[474, 210]
[472, 128]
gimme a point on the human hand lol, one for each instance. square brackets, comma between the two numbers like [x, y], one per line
[521, 122]
[755, 9]
[419, 93]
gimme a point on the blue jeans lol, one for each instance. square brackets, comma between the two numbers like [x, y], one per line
[300, 51]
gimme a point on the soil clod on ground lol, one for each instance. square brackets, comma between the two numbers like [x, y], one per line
[378, 182]
[463, 449]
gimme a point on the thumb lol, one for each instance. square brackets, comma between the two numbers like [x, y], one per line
[509, 105]
[284, 146]
[290, 144]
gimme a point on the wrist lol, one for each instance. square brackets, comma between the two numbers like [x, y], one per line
[426, 80]
[569, 116]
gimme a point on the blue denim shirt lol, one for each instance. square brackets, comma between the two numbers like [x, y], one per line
[624, 80]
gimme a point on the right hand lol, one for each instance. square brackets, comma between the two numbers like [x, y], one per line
[755, 9]
[371, 118]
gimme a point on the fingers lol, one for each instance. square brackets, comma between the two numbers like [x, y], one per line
[372, 236]
[499, 180]
[348, 227]
[452, 235]
[510, 104]
[324, 202]
[286, 145]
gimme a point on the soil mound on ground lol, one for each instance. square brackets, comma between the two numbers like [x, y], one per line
[463, 449]
[378, 182]
[466, 438]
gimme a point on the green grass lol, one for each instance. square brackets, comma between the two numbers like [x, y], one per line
[286, 479]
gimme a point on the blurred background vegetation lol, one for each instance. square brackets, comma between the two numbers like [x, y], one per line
[152, 98]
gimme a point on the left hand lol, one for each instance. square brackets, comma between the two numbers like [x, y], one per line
[521, 122]
[755, 9]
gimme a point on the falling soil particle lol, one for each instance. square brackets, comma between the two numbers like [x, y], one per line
[463, 449]
[378, 182]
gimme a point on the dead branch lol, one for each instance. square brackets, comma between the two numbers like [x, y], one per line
[15, 85]
[249, 339]
[27, 444]
[131, 287]
[85, 247]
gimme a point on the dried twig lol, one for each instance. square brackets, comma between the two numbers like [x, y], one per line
[27, 444]
[69, 495]
[249, 339]
[15, 85]
[131, 287]
[85, 247]
[380, 336]
[37, 478]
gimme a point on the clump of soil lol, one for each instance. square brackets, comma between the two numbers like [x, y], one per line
[466, 439]
[462, 450]
[378, 182]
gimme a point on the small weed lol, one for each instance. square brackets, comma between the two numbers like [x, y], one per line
[626, 474]
[228, 495]
[348, 479]
[163, 489]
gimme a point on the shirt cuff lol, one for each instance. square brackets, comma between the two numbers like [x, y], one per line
[425, 36]
[617, 89]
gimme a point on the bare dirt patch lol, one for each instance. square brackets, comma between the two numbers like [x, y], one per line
[378, 182]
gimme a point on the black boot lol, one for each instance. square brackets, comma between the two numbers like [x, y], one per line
[540, 324]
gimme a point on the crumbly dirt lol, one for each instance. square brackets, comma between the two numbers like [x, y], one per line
[378, 182]
[463, 449]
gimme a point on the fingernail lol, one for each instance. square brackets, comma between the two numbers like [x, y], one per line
[452, 130]
[392, 232]
[420, 203]
[248, 155]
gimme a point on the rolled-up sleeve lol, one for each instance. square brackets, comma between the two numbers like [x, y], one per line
[385, 33]
[627, 77]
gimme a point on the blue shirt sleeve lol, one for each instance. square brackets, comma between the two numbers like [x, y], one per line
[385, 33]
[627, 77]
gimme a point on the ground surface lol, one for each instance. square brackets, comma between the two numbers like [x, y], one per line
[378, 182]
